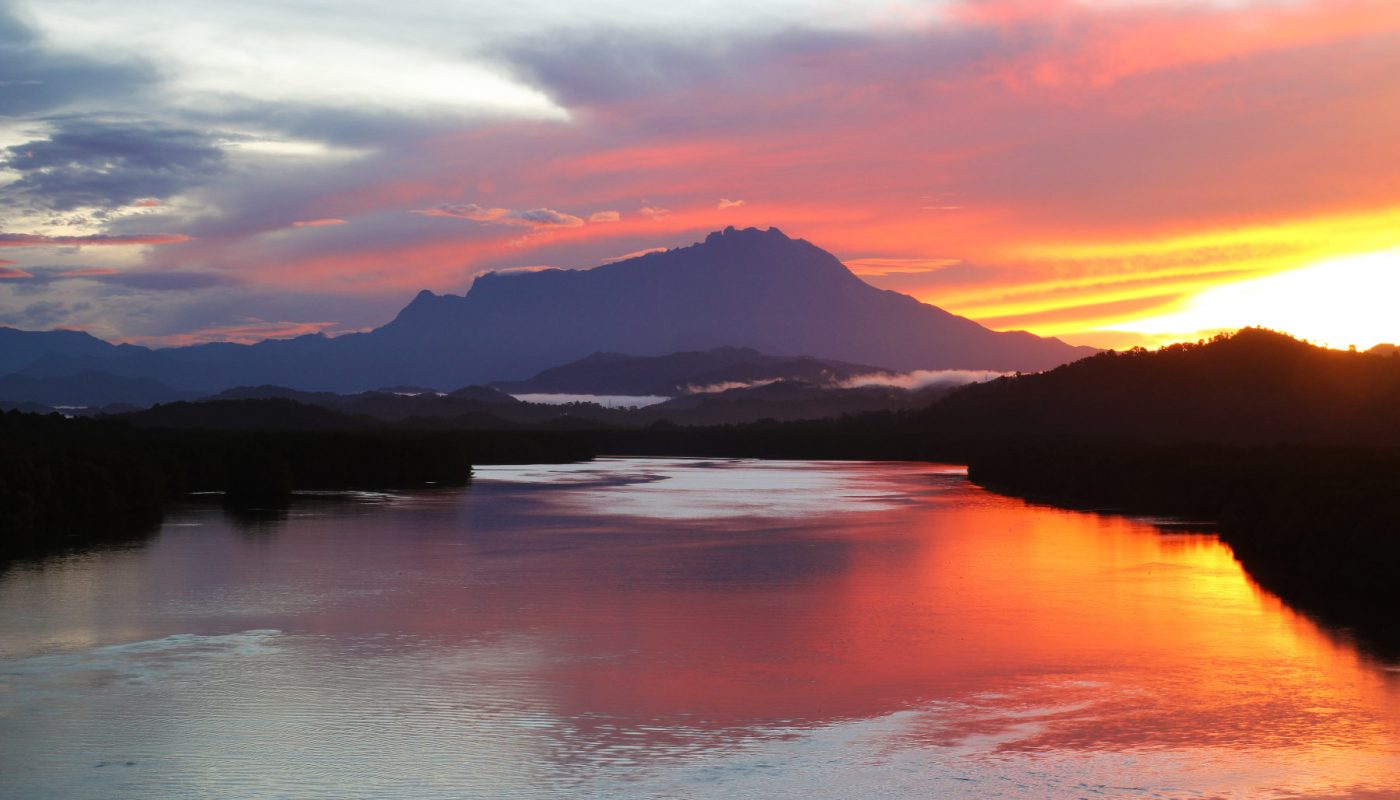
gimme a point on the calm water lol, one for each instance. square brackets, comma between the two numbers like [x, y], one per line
[678, 629]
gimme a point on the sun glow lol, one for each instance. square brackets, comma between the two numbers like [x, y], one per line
[1322, 278]
[1338, 302]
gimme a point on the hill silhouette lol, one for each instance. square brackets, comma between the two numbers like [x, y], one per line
[1255, 387]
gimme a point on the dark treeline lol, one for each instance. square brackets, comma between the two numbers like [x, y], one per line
[66, 482]
[1256, 387]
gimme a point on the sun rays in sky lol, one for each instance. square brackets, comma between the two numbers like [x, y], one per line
[1114, 172]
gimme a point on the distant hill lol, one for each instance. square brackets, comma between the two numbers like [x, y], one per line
[87, 388]
[681, 373]
[482, 408]
[1255, 387]
[265, 414]
[740, 288]
[383, 404]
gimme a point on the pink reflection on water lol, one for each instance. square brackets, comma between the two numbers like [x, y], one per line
[677, 626]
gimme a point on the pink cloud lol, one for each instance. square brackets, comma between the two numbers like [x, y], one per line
[8, 270]
[726, 203]
[604, 216]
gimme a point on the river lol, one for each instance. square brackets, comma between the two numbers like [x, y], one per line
[673, 628]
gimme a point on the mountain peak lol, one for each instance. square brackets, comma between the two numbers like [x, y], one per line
[737, 235]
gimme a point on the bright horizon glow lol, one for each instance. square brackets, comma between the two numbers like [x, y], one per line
[1339, 302]
[1075, 168]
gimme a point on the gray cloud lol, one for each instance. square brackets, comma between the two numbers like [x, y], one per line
[599, 65]
[42, 314]
[92, 163]
[98, 239]
[36, 80]
[142, 279]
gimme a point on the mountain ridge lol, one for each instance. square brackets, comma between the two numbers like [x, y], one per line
[743, 288]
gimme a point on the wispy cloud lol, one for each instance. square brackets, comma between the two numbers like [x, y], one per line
[529, 218]
[604, 216]
[134, 278]
[898, 266]
[727, 203]
[8, 270]
[920, 379]
[248, 332]
[96, 239]
[634, 254]
[725, 386]
[911, 381]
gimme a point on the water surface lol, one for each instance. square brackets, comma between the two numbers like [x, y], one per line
[678, 629]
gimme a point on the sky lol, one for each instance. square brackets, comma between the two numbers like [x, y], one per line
[1112, 172]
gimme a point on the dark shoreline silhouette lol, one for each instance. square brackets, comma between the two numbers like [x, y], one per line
[1293, 450]
[68, 483]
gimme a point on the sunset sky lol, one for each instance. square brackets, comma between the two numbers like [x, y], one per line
[1113, 172]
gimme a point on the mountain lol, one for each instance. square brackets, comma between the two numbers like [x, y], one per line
[1255, 387]
[742, 288]
[749, 288]
[19, 349]
[681, 373]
